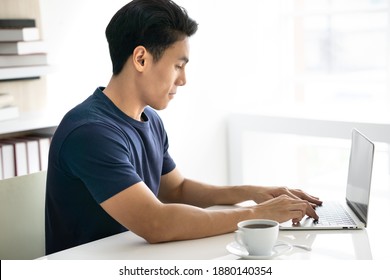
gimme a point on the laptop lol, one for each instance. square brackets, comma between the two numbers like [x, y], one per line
[354, 209]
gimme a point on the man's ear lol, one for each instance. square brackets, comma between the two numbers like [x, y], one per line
[139, 58]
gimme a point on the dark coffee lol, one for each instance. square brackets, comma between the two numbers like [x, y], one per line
[258, 226]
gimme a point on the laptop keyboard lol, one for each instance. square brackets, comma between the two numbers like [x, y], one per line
[332, 213]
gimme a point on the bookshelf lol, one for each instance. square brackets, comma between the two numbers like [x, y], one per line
[30, 95]
[28, 123]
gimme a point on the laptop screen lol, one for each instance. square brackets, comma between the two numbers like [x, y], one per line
[359, 174]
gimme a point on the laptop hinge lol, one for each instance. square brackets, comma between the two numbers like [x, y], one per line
[356, 211]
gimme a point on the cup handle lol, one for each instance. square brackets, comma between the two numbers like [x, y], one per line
[238, 238]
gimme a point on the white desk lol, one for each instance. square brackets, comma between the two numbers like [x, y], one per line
[325, 245]
[370, 243]
[347, 244]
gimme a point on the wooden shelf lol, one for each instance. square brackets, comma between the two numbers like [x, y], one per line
[29, 122]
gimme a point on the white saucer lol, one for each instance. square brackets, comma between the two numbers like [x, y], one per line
[279, 249]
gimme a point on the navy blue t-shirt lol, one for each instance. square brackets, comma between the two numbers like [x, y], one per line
[96, 152]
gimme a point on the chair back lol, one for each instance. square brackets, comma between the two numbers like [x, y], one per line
[22, 217]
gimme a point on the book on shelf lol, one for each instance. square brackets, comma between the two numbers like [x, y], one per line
[44, 141]
[20, 155]
[6, 100]
[24, 72]
[23, 60]
[19, 34]
[16, 22]
[33, 157]
[9, 112]
[23, 47]
[23, 55]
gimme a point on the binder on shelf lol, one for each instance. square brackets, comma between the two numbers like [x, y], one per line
[21, 164]
[19, 34]
[20, 155]
[33, 156]
[44, 146]
[24, 155]
[8, 160]
[44, 141]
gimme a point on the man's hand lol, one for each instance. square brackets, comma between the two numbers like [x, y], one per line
[285, 203]
[261, 194]
[284, 208]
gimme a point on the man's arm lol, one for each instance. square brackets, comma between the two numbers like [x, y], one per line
[140, 211]
[175, 188]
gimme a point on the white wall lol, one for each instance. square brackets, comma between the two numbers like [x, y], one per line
[234, 66]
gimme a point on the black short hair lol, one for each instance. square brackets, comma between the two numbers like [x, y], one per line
[154, 24]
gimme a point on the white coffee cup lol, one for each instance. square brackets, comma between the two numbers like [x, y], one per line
[258, 236]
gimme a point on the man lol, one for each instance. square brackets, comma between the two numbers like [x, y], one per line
[109, 165]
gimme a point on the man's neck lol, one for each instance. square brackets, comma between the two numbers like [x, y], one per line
[124, 98]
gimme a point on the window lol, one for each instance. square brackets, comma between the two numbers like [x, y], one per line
[336, 56]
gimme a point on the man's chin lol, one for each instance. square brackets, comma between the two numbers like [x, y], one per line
[159, 107]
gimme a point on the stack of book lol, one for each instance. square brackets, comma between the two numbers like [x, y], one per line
[23, 155]
[8, 110]
[21, 45]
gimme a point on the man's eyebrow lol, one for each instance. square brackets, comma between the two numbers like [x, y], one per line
[185, 59]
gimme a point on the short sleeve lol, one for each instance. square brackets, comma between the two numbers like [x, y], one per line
[97, 155]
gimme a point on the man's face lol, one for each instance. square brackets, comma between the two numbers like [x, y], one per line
[162, 79]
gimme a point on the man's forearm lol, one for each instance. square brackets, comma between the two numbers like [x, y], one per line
[204, 195]
[183, 222]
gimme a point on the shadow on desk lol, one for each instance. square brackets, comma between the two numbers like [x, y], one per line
[329, 244]
[129, 246]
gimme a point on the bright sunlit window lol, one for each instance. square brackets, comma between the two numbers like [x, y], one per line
[336, 56]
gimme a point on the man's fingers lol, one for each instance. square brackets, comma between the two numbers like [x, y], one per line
[302, 195]
[285, 207]
[299, 194]
[305, 208]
